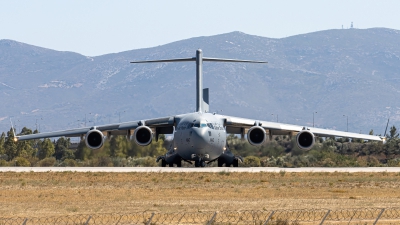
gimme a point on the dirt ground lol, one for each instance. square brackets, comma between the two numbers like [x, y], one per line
[67, 193]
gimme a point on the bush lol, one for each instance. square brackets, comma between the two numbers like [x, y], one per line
[47, 162]
[144, 162]
[69, 163]
[252, 161]
[20, 161]
[103, 161]
[4, 156]
[4, 163]
[33, 160]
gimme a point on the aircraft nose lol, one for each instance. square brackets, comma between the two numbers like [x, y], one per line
[199, 138]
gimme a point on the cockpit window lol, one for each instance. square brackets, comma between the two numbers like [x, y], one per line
[210, 125]
[203, 125]
[196, 125]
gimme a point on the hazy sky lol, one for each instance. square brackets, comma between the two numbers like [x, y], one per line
[98, 27]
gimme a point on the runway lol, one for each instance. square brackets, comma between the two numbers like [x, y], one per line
[203, 170]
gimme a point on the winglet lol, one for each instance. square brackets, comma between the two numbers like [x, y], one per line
[12, 128]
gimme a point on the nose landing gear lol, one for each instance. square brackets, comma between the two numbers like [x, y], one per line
[200, 163]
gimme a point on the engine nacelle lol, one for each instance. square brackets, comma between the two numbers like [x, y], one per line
[305, 140]
[94, 139]
[143, 135]
[256, 135]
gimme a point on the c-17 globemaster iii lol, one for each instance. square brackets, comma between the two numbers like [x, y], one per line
[199, 136]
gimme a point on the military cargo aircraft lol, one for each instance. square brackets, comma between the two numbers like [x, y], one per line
[199, 137]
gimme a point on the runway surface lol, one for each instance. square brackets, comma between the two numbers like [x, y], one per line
[204, 170]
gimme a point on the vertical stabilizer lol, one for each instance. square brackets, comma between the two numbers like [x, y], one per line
[199, 80]
[206, 104]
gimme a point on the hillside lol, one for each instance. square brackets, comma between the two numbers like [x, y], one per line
[348, 72]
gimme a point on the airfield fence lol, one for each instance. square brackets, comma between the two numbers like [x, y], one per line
[271, 217]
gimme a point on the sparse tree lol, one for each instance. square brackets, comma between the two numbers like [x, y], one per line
[119, 146]
[2, 141]
[82, 152]
[393, 134]
[25, 148]
[61, 148]
[46, 149]
[10, 147]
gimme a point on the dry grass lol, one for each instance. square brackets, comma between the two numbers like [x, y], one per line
[67, 193]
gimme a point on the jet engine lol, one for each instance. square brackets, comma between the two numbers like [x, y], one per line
[94, 139]
[143, 135]
[305, 139]
[256, 135]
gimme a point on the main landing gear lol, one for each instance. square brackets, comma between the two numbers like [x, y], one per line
[177, 161]
[229, 163]
[229, 159]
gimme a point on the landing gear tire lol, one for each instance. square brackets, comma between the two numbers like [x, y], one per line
[235, 163]
[220, 163]
[171, 165]
[179, 164]
[163, 163]
[200, 163]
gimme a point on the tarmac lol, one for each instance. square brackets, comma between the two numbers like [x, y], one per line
[203, 170]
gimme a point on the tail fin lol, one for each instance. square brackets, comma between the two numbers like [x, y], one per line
[199, 73]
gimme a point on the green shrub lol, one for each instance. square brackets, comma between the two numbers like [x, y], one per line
[20, 161]
[251, 161]
[33, 160]
[4, 163]
[69, 163]
[144, 162]
[102, 161]
[47, 162]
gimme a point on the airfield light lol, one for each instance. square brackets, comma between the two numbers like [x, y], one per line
[276, 117]
[313, 118]
[347, 122]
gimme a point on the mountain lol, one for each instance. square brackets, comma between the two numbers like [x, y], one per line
[330, 75]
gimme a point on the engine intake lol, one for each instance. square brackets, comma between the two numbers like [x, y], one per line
[256, 135]
[143, 135]
[94, 139]
[305, 140]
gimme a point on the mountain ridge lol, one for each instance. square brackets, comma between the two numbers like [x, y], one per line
[348, 72]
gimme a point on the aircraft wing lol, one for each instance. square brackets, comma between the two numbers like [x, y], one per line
[238, 125]
[162, 125]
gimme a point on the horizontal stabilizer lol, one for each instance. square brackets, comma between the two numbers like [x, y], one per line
[231, 60]
[167, 60]
[194, 59]
[201, 103]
